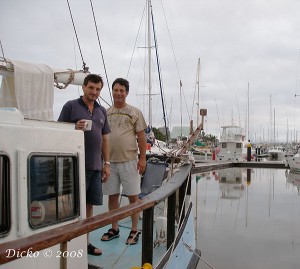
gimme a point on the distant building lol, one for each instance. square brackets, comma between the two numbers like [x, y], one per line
[163, 130]
[178, 131]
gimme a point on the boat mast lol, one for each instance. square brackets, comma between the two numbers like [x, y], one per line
[159, 75]
[271, 120]
[248, 114]
[274, 126]
[180, 110]
[149, 65]
[198, 90]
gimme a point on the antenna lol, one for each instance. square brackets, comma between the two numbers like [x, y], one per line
[238, 110]
[248, 114]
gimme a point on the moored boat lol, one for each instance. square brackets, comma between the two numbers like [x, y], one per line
[231, 144]
[43, 221]
[276, 152]
[294, 162]
[294, 179]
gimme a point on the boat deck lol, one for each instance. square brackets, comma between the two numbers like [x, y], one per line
[116, 254]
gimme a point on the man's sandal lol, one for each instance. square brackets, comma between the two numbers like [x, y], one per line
[111, 234]
[133, 238]
[91, 250]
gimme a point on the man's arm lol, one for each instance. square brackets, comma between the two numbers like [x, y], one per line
[105, 155]
[141, 166]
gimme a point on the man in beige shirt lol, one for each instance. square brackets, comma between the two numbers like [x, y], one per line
[127, 136]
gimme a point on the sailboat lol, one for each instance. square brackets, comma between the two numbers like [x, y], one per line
[199, 149]
[43, 194]
[42, 207]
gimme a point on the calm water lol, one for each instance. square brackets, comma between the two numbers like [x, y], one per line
[248, 218]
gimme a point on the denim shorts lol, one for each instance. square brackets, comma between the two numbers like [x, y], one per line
[94, 194]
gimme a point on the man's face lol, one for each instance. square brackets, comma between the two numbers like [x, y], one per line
[92, 90]
[119, 94]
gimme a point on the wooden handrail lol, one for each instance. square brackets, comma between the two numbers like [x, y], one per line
[67, 232]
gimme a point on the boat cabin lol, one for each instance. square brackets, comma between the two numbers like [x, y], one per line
[42, 186]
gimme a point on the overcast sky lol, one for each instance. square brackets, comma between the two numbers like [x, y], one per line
[238, 42]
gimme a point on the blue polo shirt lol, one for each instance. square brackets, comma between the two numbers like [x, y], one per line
[76, 110]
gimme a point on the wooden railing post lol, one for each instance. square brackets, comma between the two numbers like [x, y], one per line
[147, 236]
[189, 190]
[181, 200]
[171, 219]
[63, 257]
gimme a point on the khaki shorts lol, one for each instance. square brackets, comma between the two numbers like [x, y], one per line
[124, 173]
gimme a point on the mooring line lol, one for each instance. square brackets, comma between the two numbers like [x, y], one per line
[191, 250]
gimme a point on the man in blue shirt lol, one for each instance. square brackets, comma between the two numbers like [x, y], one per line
[96, 141]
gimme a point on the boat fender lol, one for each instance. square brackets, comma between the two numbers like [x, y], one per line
[145, 266]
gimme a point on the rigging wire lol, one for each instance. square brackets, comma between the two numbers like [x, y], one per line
[174, 56]
[104, 66]
[194, 97]
[170, 40]
[85, 68]
[218, 117]
[237, 104]
[159, 75]
[135, 43]
[76, 65]
[296, 95]
[2, 49]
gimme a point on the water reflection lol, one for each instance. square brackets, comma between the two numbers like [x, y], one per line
[231, 183]
[248, 218]
[293, 179]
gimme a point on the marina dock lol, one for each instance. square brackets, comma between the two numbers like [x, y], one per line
[213, 165]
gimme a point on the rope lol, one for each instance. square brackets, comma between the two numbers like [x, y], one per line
[116, 261]
[6, 61]
[104, 66]
[191, 250]
[70, 79]
[85, 68]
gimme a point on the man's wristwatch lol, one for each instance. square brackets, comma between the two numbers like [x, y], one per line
[106, 162]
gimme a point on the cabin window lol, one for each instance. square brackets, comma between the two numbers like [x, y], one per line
[53, 189]
[238, 145]
[224, 145]
[4, 195]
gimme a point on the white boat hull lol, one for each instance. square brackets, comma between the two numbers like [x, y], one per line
[294, 163]
[231, 144]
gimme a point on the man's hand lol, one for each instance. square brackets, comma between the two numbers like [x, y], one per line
[105, 172]
[141, 166]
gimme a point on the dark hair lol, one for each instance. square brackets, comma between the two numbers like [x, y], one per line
[93, 78]
[123, 82]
